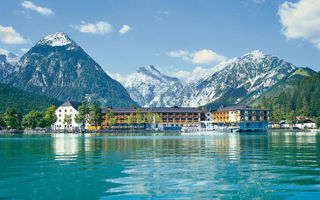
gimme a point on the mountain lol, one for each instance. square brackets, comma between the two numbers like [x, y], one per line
[57, 67]
[23, 101]
[236, 81]
[147, 85]
[7, 62]
[286, 84]
[302, 100]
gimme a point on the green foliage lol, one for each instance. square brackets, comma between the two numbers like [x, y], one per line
[139, 116]
[50, 117]
[318, 122]
[23, 101]
[149, 117]
[32, 119]
[67, 120]
[2, 122]
[95, 116]
[112, 121]
[110, 118]
[11, 118]
[83, 114]
[303, 100]
[157, 118]
[131, 119]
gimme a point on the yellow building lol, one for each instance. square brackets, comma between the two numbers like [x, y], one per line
[244, 117]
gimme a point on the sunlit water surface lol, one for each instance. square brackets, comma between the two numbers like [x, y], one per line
[137, 166]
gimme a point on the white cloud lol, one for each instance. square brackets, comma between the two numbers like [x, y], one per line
[181, 74]
[185, 55]
[204, 56]
[163, 12]
[301, 20]
[31, 6]
[100, 27]
[9, 36]
[118, 77]
[259, 1]
[124, 29]
[24, 50]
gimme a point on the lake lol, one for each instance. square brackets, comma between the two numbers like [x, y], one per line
[155, 166]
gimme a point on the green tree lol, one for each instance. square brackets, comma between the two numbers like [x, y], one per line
[109, 118]
[131, 119]
[83, 114]
[291, 118]
[157, 119]
[32, 119]
[317, 121]
[139, 116]
[2, 122]
[67, 120]
[50, 117]
[112, 121]
[149, 117]
[11, 118]
[95, 116]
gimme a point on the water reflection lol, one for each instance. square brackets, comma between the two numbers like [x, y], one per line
[102, 166]
[65, 146]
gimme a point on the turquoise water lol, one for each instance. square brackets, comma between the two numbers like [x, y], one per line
[233, 166]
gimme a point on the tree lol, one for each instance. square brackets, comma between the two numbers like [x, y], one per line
[11, 118]
[291, 118]
[2, 122]
[149, 117]
[83, 114]
[318, 122]
[67, 120]
[139, 116]
[95, 116]
[157, 119]
[50, 117]
[112, 121]
[32, 119]
[109, 118]
[131, 119]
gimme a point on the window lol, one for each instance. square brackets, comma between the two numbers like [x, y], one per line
[59, 110]
[65, 110]
[70, 110]
[59, 115]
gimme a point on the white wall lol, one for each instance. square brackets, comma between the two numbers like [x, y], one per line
[61, 111]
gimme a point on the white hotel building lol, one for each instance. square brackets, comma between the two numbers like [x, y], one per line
[68, 108]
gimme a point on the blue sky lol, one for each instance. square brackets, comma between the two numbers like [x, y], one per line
[173, 35]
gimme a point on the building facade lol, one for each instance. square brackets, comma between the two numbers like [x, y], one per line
[243, 117]
[68, 108]
[171, 118]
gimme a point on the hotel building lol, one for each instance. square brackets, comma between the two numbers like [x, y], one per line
[243, 117]
[171, 118]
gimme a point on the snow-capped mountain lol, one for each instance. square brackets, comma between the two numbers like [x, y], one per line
[234, 81]
[11, 58]
[7, 62]
[147, 85]
[237, 80]
[57, 67]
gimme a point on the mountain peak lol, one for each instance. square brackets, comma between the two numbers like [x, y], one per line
[254, 56]
[11, 58]
[56, 39]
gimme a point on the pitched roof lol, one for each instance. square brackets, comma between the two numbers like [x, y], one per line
[74, 104]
